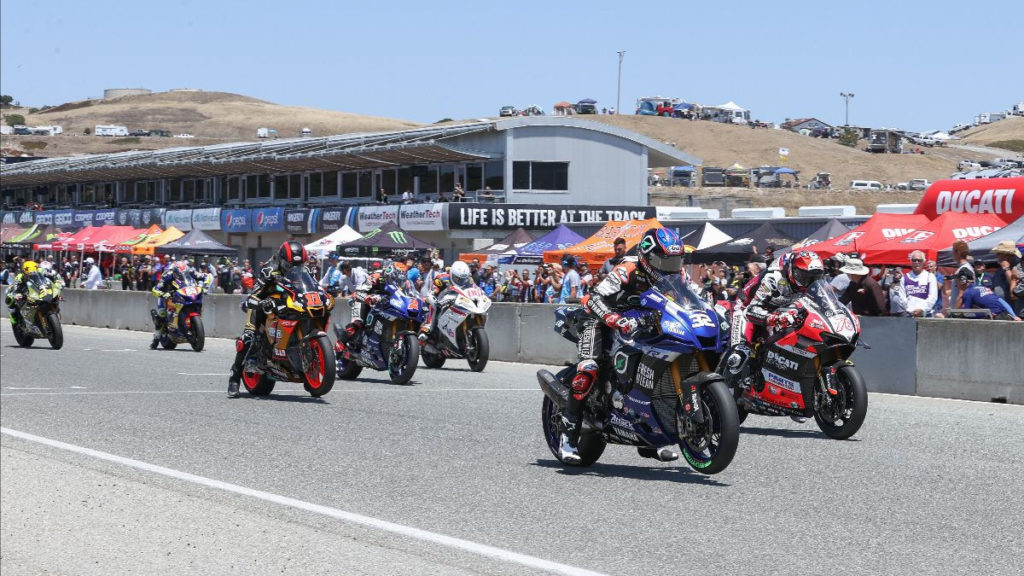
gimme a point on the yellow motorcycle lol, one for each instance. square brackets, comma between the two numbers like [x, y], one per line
[39, 315]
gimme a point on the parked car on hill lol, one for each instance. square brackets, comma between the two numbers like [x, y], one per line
[586, 106]
[508, 111]
[968, 165]
[919, 184]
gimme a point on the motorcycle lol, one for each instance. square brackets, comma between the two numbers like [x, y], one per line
[292, 345]
[40, 313]
[184, 320]
[460, 331]
[655, 389]
[387, 340]
[804, 370]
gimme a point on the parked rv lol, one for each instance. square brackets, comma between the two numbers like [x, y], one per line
[712, 176]
[681, 176]
[110, 130]
[882, 141]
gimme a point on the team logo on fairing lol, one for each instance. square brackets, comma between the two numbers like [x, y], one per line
[776, 359]
[621, 362]
[645, 376]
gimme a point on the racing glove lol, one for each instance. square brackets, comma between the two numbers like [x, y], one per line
[268, 305]
[165, 295]
[372, 299]
[783, 319]
[627, 326]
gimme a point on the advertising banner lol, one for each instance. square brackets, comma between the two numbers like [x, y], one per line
[180, 219]
[106, 217]
[27, 218]
[332, 219]
[511, 216]
[206, 219]
[372, 217]
[129, 217]
[44, 218]
[82, 218]
[268, 220]
[422, 216]
[301, 220]
[64, 219]
[153, 216]
[236, 221]
[1003, 197]
[10, 218]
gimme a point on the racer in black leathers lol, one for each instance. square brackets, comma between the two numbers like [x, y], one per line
[17, 291]
[366, 296]
[172, 278]
[756, 305]
[659, 252]
[258, 303]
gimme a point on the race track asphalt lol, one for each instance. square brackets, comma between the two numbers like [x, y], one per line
[450, 475]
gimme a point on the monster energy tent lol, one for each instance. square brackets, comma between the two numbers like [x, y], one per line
[739, 249]
[197, 242]
[387, 241]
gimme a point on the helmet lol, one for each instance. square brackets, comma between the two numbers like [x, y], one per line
[803, 269]
[393, 274]
[965, 274]
[569, 260]
[29, 267]
[178, 271]
[290, 254]
[46, 266]
[660, 252]
[461, 276]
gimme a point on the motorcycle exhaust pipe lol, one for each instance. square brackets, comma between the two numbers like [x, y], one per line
[555, 390]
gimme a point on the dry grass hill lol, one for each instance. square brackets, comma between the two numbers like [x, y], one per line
[217, 117]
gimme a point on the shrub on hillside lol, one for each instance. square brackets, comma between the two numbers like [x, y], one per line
[849, 138]
[14, 119]
[1015, 145]
[33, 145]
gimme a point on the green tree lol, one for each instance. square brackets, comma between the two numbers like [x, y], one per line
[14, 119]
[5, 100]
[87, 131]
[849, 138]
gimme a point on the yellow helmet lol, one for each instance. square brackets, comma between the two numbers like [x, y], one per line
[29, 267]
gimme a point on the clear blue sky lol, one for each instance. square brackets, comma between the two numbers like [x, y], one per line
[911, 65]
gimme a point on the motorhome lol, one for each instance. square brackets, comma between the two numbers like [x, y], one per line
[882, 141]
[681, 176]
[110, 130]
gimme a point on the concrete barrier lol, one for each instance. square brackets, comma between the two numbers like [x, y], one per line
[969, 359]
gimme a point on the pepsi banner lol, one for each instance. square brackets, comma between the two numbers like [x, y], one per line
[180, 219]
[104, 217]
[333, 218]
[206, 219]
[236, 221]
[300, 220]
[268, 220]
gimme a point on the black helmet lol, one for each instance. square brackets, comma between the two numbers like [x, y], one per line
[569, 260]
[290, 254]
[660, 252]
[965, 274]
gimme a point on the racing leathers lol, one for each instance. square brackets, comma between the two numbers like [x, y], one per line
[18, 290]
[754, 311]
[366, 296]
[162, 291]
[255, 307]
[438, 298]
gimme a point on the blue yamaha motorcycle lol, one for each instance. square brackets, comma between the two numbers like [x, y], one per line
[656, 389]
[387, 340]
[184, 316]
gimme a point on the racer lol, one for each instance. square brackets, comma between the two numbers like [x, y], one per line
[172, 278]
[17, 291]
[259, 303]
[366, 296]
[659, 253]
[756, 305]
[439, 297]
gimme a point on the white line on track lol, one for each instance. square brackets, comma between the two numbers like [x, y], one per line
[403, 390]
[368, 521]
[203, 374]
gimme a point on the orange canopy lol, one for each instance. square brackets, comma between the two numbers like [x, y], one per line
[601, 246]
[148, 246]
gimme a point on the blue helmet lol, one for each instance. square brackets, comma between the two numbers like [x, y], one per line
[660, 252]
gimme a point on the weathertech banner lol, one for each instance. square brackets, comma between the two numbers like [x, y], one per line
[373, 217]
[300, 220]
[511, 216]
[206, 218]
[422, 216]
[1003, 197]
[180, 219]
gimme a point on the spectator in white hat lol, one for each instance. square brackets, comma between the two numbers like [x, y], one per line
[863, 294]
[94, 278]
[1003, 282]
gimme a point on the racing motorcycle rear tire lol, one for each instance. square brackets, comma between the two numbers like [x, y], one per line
[24, 340]
[257, 384]
[432, 360]
[56, 336]
[324, 362]
[347, 369]
[720, 413]
[590, 446]
[478, 360]
[401, 366]
[198, 336]
[853, 393]
[167, 343]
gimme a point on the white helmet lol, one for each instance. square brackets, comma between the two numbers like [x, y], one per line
[46, 265]
[461, 276]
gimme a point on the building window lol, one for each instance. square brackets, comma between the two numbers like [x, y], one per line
[330, 184]
[234, 189]
[428, 181]
[494, 175]
[174, 190]
[447, 179]
[540, 176]
[257, 187]
[404, 181]
[365, 184]
[188, 191]
[349, 185]
[474, 177]
[316, 185]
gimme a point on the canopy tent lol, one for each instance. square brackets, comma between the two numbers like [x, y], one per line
[506, 246]
[149, 245]
[739, 249]
[881, 226]
[36, 235]
[324, 246]
[600, 247]
[932, 237]
[787, 171]
[732, 106]
[388, 240]
[737, 175]
[981, 248]
[705, 236]
[827, 231]
[533, 253]
[90, 238]
[125, 246]
[111, 239]
[197, 242]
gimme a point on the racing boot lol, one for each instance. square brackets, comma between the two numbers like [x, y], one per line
[586, 375]
[233, 382]
[567, 449]
[345, 335]
[663, 454]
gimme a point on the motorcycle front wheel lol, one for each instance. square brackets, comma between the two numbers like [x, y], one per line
[197, 337]
[712, 447]
[404, 356]
[319, 379]
[590, 446]
[55, 333]
[479, 350]
[842, 415]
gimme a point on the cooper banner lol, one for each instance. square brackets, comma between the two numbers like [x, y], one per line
[206, 218]
[180, 219]
[236, 221]
[82, 218]
[1003, 197]
[105, 217]
[422, 216]
[511, 216]
[371, 217]
[268, 220]
[300, 220]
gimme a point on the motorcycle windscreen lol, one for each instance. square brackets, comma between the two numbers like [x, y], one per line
[838, 316]
[300, 280]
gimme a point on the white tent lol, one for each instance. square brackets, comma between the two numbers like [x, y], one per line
[732, 106]
[324, 246]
